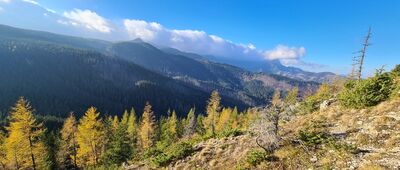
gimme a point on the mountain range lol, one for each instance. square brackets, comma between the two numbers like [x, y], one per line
[61, 73]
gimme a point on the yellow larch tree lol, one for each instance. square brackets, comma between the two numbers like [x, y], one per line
[23, 147]
[276, 98]
[213, 109]
[147, 131]
[68, 144]
[223, 122]
[90, 138]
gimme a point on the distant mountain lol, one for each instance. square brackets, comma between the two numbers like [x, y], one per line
[275, 67]
[62, 73]
[235, 82]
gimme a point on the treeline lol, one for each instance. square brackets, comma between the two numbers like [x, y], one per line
[94, 141]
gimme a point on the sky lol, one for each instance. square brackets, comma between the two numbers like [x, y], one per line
[310, 34]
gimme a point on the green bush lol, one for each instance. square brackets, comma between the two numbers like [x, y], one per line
[369, 92]
[172, 153]
[230, 132]
[315, 133]
[255, 157]
[311, 103]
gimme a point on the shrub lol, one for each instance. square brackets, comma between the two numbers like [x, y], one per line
[396, 70]
[172, 153]
[255, 157]
[311, 103]
[369, 92]
[314, 134]
[231, 132]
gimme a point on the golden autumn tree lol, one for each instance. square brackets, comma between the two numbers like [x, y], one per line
[67, 154]
[115, 123]
[132, 129]
[23, 147]
[90, 138]
[2, 151]
[213, 109]
[224, 118]
[276, 98]
[147, 131]
[125, 119]
[291, 97]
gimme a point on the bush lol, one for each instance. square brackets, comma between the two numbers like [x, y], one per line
[172, 153]
[369, 92]
[255, 157]
[311, 103]
[231, 132]
[314, 134]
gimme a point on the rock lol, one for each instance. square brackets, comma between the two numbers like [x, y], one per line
[314, 159]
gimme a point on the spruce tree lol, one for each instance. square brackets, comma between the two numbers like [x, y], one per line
[190, 124]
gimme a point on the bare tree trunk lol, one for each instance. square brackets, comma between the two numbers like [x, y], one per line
[32, 156]
[363, 51]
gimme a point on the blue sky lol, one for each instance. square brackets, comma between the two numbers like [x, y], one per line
[311, 34]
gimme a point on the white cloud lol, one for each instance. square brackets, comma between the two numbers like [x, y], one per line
[202, 43]
[285, 52]
[31, 1]
[5, 1]
[87, 19]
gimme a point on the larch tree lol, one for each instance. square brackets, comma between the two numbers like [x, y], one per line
[224, 118]
[115, 123]
[2, 151]
[213, 109]
[67, 153]
[147, 132]
[124, 120]
[24, 147]
[291, 97]
[276, 98]
[90, 138]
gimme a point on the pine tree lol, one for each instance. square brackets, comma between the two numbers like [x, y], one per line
[68, 144]
[90, 138]
[190, 124]
[147, 127]
[125, 119]
[118, 148]
[213, 108]
[234, 123]
[132, 130]
[173, 126]
[291, 97]
[169, 129]
[23, 146]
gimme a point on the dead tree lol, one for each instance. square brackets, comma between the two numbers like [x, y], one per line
[360, 59]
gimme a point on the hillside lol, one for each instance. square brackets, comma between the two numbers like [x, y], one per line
[290, 134]
[61, 79]
[139, 61]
